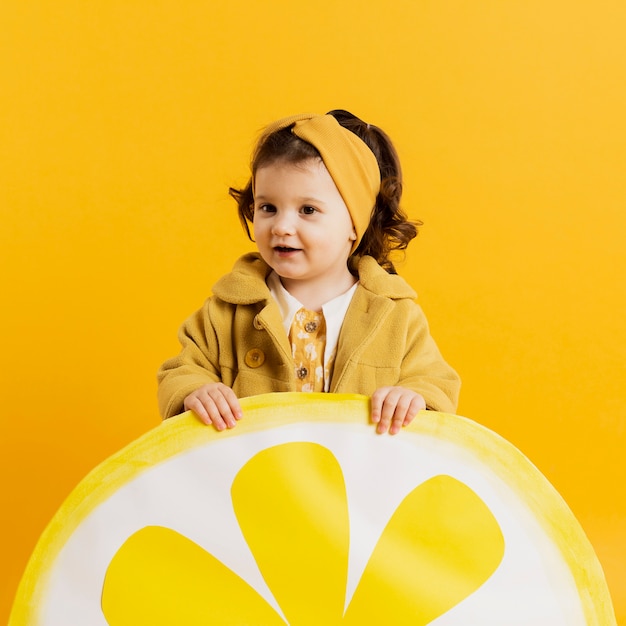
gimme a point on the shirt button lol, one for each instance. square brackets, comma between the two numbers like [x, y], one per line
[310, 327]
[301, 372]
[254, 358]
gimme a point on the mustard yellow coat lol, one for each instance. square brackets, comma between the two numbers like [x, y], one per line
[238, 338]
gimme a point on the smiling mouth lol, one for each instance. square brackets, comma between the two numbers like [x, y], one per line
[285, 249]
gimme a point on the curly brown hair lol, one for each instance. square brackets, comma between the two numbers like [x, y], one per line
[389, 229]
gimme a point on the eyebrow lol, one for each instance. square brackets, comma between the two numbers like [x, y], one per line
[307, 199]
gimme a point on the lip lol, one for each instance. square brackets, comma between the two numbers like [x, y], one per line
[285, 251]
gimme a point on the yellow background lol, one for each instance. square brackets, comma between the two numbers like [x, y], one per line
[122, 123]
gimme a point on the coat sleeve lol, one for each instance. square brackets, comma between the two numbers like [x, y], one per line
[196, 365]
[424, 368]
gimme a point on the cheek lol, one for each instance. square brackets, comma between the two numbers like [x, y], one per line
[258, 230]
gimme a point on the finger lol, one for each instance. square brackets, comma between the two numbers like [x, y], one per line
[377, 403]
[417, 404]
[213, 412]
[233, 402]
[388, 410]
[221, 410]
[406, 409]
[194, 404]
[398, 417]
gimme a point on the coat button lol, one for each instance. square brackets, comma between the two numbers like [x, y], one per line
[302, 372]
[310, 327]
[254, 358]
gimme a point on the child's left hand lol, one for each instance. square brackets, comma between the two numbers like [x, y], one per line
[395, 407]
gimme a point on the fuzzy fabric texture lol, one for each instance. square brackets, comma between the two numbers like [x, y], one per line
[238, 338]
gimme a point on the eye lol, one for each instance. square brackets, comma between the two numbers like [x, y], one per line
[265, 208]
[308, 210]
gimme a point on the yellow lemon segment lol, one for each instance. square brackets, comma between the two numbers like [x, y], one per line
[441, 544]
[161, 578]
[290, 501]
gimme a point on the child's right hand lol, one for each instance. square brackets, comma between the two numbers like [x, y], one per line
[215, 404]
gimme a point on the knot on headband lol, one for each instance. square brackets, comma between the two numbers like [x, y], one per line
[349, 161]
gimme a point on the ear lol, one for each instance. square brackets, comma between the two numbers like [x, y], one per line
[353, 235]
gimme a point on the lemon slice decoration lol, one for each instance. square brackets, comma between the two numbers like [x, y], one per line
[303, 515]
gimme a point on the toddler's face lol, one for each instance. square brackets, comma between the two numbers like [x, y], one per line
[302, 226]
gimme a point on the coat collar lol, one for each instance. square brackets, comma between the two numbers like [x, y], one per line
[245, 284]
[375, 279]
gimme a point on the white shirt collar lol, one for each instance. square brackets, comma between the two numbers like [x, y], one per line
[334, 310]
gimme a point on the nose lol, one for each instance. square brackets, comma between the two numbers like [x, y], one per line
[283, 224]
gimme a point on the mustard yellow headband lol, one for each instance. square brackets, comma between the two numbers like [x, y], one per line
[349, 161]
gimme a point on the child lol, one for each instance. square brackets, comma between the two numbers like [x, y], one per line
[319, 307]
